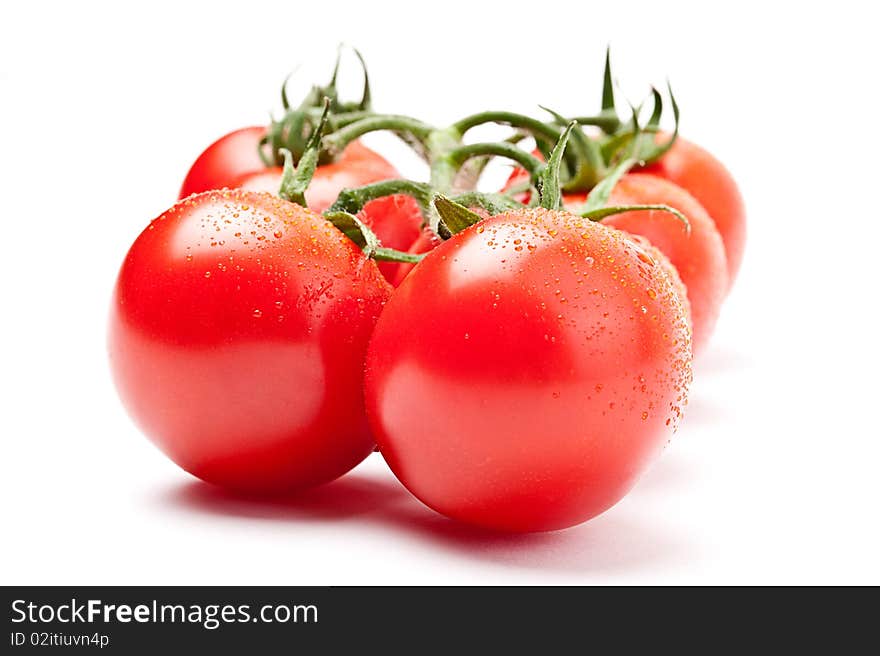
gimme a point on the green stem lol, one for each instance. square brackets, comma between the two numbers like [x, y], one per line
[500, 149]
[335, 143]
[532, 125]
[438, 147]
[604, 122]
[353, 200]
[391, 255]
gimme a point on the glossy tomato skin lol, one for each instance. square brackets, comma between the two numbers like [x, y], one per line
[238, 332]
[231, 156]
[527, 370]
[698, 255]
[706, 179]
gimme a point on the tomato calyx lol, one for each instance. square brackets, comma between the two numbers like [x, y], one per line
[594, 156]
[456, 217]
[294, 129]
[296, 179]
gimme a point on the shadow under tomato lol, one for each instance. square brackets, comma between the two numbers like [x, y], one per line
[350, 496]
[611, 542]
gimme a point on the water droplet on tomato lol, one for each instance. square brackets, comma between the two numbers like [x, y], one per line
[257, 313]
[644, 257]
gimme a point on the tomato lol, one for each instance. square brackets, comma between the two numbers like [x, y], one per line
[698, 255]
[357, 166]
[707, 180]
[226, 159]
[527, 371]
[238, 332]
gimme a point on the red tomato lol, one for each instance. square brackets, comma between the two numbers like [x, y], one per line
[225, 160]
[357, 166]
[698, 256]
[698, 172]
[238, 332]
[527, 371]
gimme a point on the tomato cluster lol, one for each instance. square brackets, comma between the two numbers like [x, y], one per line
[519, 357]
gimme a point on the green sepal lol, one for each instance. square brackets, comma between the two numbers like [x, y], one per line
[654, 151]
[608, 119]
[590, 166]
[608, 104]
[365, 239]
[454, 217]
[294, 181]
[548, 184]
[600, 213]
[602, 191]
[355, 229]
[492, 203]
[366, 102]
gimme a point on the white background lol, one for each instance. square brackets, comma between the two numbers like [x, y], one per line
[773, 476]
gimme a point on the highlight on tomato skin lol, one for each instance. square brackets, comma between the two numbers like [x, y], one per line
[528, 370]
[238, 331]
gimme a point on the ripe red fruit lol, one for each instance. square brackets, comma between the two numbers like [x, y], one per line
[238, 331]
[527, 371]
